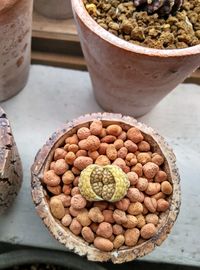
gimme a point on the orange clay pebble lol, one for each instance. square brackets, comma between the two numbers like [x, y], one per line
[148, 230]
[131, 146]
[66, 220]
[135, 195]
[135, 135]
[122, 152]
[57, 208]
[108, 139]
[166, 188]
[67, 189]
[143, 158]
[94, 226]
[160, 176]
[133, 178]
[59, 153]
[74, 212]
[68, 177]
[96, 215]
[104, 229]
[120, 163]
[82, 162]
[118, 229]
[111, 152]
[118, 241]
[102, 148]
[157, 159]
[142, 184]
[152, 189]
[65, 199]
[93, 154]
[83, 133]
[51, 179]
[162, 205]
[151, 204]
[55, 190]
[73, 148]
[159, 195]
[131, 237]
[118, 144]
[150, 169]
[70, 157]
[119, 216]
[75, 191]
[78, 202]
[96, 127]
[72, 139]
[75, 171]
[152, 218]
[76, 181]
[81, 152]
[122, 136]
[144, 146]
[108, 216]
[88, 234]
[83, 218]
[75, 227]
[92, 143]
[103, 244]
[102, 160]
[60, 167]
[123, 204]
[135, 208]
[131, 222]
[103, 133]
[114, 130]
[137, 169]
[140, 221]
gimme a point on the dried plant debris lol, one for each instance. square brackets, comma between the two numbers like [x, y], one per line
[128, 20]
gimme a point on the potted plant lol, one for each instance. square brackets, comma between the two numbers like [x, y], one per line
[10, 165]
[54, 9]
[15, 44]
[130, 73]
[107, 187]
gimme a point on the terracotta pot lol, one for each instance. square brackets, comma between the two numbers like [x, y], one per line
[15, 45]
[128, 78]
[10, 165]
[54, 9]
[64, 235]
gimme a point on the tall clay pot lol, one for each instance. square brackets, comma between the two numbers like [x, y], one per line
[54, 9]
[15, 45]
[128, 78]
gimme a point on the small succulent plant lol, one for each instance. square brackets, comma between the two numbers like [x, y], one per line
[162, 7]
[98, 183]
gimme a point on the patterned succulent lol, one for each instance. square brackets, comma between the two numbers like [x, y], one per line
[162, 7]
[98, 183]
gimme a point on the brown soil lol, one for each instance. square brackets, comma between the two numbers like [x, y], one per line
[122, 19]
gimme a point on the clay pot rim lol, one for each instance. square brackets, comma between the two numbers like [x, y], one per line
[7, 4]
[77, 244]
[78, 7]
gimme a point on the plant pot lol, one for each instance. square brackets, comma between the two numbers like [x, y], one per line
[54, 9]
[10, 165]
[128, 78]
[64, 235]
[15, 44]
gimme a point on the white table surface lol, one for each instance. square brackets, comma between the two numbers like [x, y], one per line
[53, 96]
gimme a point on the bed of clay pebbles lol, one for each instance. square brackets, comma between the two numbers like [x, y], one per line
[118, 167]
[123, 19]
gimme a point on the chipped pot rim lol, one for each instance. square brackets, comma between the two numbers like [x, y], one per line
[77, 244]
[79, 9]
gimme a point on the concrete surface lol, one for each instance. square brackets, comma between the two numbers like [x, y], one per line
[53, 96]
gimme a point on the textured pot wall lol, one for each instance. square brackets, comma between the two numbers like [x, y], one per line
[55, 9]
[125, 81]
[15, 46]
